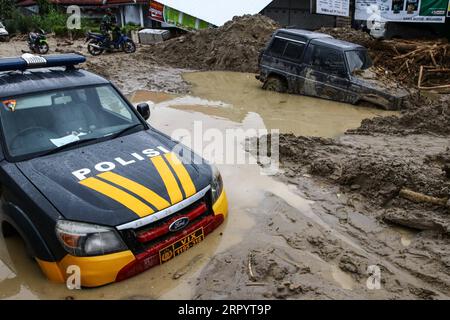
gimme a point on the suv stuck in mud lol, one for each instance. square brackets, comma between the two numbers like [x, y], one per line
[86, 182]
[316, 64]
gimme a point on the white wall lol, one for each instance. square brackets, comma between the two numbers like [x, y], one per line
[132, 14]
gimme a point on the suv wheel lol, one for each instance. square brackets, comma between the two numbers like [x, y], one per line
[275, 84]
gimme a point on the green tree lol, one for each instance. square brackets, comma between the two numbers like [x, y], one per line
[7, 7]
[44, 6]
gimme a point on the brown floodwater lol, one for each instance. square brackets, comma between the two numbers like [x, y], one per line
[289, 113]
[219, 100]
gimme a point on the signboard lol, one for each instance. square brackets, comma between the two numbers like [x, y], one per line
[448, 10]
[401, 10]
[217, 12]
[333, 7]
[163, 13]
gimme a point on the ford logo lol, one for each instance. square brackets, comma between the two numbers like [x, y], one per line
[179, 224]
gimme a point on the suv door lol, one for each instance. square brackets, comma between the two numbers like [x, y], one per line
[270, 60]
[293, 64]
[284, 57]
[326, 74]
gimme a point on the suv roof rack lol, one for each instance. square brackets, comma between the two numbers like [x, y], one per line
[30, 61]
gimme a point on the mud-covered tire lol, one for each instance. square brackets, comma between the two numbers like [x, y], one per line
[276, 84]
[92, 50]
[129, 46]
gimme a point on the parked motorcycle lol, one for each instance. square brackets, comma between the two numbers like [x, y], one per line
[98, 43]
[37, 42]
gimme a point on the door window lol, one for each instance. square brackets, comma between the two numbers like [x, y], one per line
[328, 60]
[294, 51]
[277, 47]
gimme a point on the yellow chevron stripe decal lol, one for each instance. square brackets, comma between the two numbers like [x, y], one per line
[169, 180]
[129, 201]
[182, 173]
[145, 193]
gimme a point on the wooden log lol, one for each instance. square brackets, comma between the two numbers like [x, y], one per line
[419, 81]
[422, 198]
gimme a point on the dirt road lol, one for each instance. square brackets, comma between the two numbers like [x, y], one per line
[326, 227]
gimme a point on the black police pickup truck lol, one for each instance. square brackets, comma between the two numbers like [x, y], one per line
[316, 64]
[86, 182]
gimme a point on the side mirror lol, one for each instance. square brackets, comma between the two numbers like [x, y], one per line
[144, 110]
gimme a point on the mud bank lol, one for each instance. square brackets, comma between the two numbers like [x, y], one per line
[355, 222]
[234, 47]
[358, 181]
[423, 117]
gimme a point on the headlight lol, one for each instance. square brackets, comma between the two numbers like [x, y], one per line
[216, 183]
[83, 239]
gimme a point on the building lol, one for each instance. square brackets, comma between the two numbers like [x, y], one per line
[301, 14]
[127, 11]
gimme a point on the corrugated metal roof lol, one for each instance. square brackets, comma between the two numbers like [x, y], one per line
[217, 12]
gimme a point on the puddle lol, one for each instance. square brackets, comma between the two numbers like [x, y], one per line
[296, 114]
[220, 100]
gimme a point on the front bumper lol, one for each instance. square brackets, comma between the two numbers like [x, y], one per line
[100, 270]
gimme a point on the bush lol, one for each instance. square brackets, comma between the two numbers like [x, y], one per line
[130, 27]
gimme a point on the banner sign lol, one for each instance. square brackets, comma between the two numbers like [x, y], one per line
[163, 13]
[402, 10]
[333, 7]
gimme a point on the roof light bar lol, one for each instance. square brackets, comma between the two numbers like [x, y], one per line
[29, 61]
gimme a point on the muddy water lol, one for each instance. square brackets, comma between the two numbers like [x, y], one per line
[289, 113]
[220, 101]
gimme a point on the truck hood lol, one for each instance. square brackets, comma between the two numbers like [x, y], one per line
[372, 80]
[132, 161]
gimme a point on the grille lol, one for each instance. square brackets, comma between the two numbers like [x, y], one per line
[143, 238]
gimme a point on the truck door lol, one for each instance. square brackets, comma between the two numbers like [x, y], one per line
[326, 74]
[293, 64]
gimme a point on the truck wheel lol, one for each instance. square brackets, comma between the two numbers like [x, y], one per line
[8, 231]
[275, 84]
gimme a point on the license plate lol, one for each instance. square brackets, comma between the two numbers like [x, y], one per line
[181, 246]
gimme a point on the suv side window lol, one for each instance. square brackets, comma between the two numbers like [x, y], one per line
[277, 47]
[294, 51]
[328, 60]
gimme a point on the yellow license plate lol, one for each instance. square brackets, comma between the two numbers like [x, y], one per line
[181, 246]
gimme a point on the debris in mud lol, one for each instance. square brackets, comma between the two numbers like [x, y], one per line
[235, 46]
[399, 59]
[419, 219]
[422, 117]
[379, 167]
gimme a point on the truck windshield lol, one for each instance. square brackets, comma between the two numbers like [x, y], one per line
[358, 60]
[35, 124]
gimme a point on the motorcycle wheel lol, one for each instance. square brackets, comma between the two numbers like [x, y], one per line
[93, 50]
[129, 46]
[43, 48]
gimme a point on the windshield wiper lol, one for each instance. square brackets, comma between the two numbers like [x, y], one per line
[68, 145]
[123, 131]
